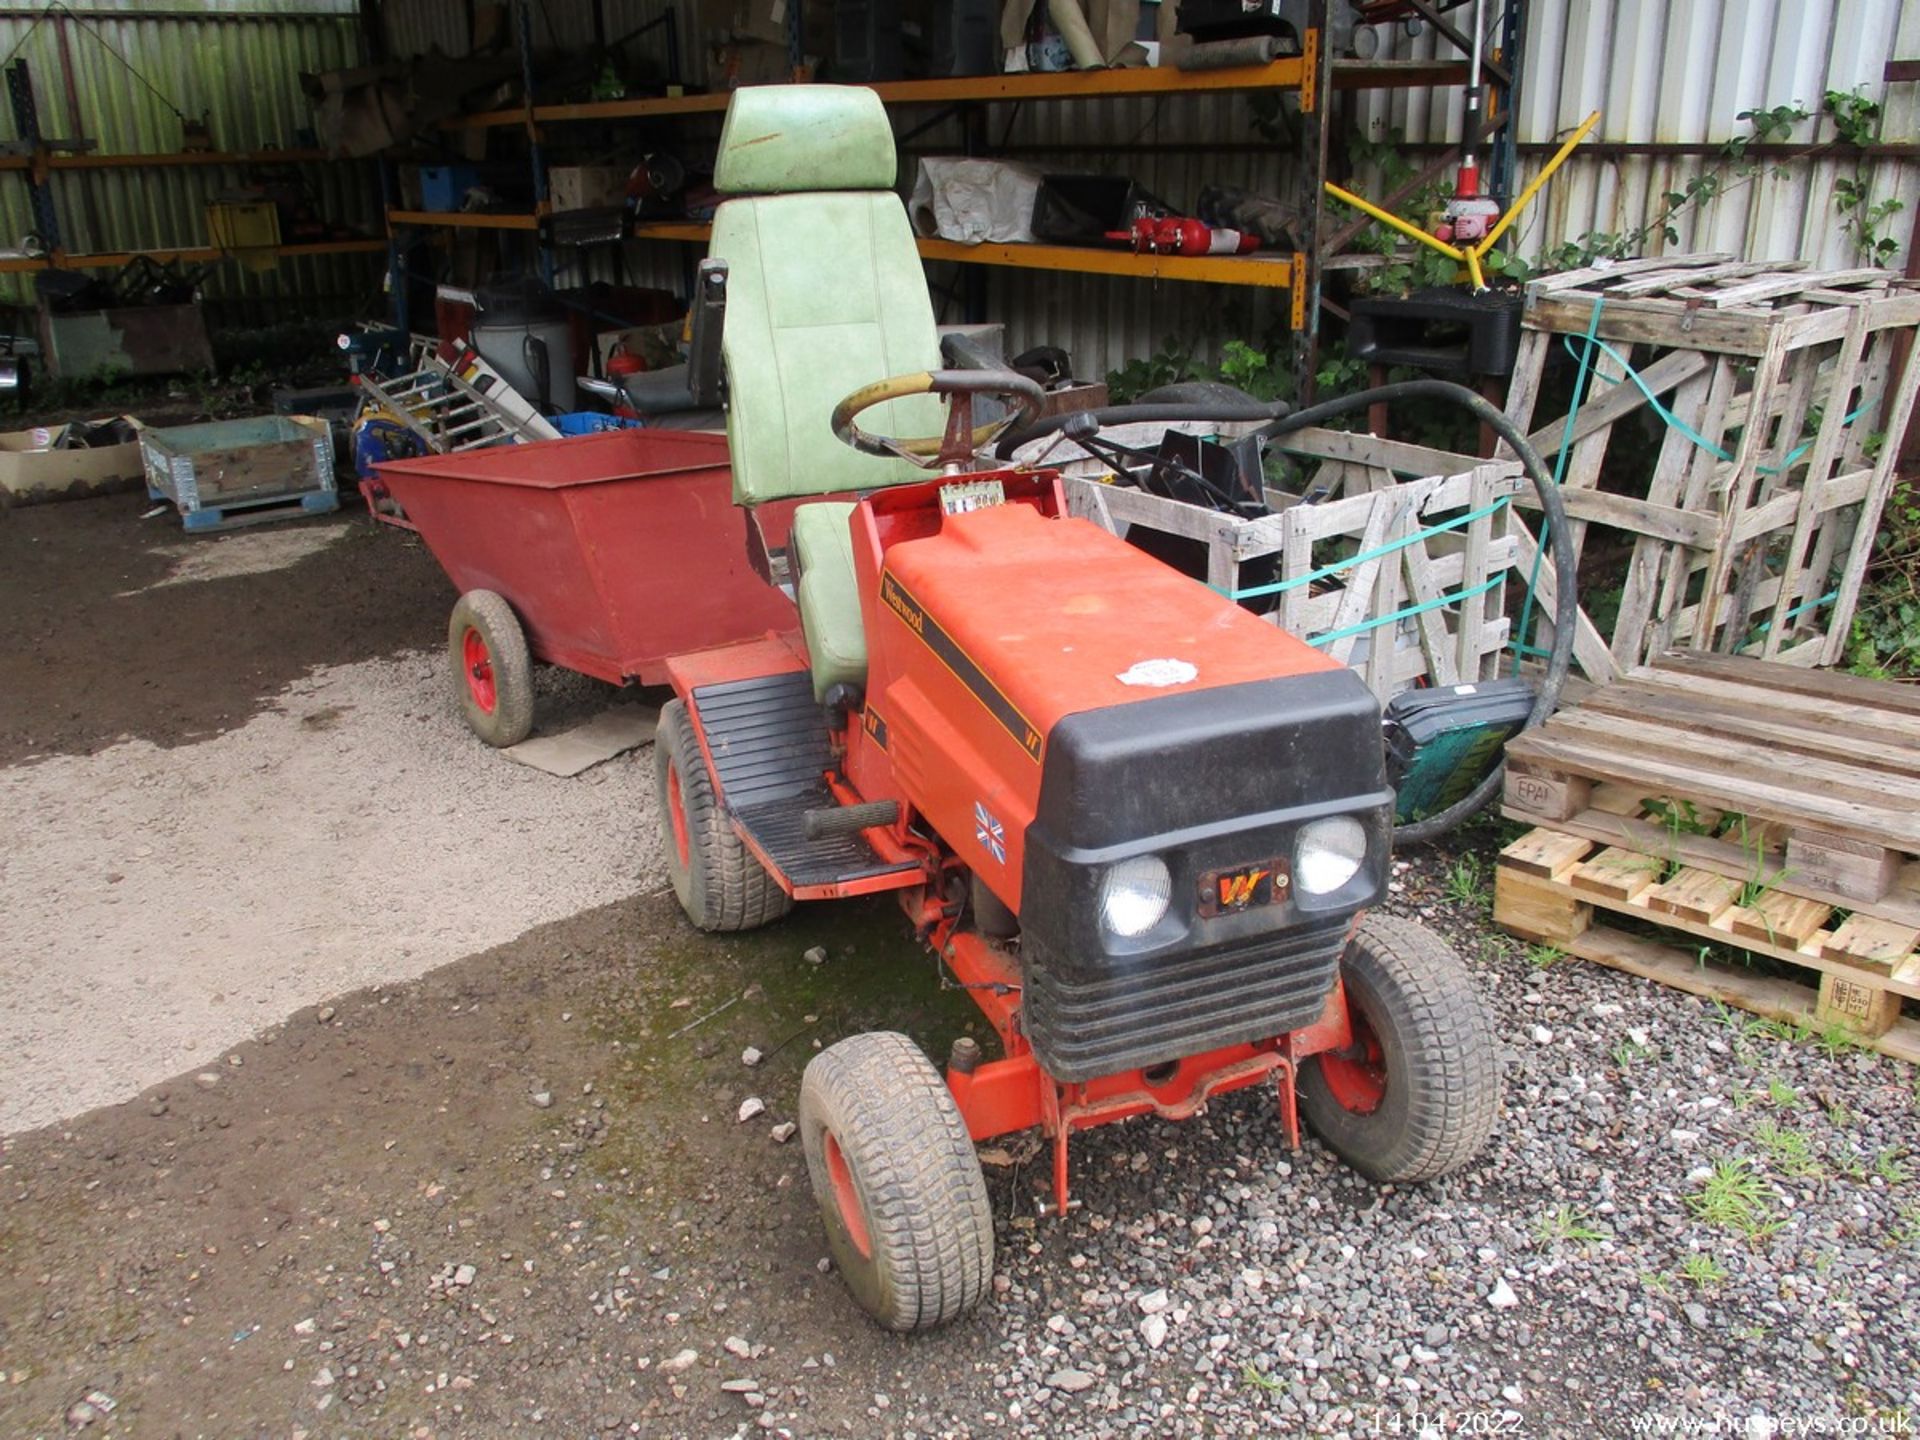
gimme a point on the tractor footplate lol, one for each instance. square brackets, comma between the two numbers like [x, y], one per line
[768, 740]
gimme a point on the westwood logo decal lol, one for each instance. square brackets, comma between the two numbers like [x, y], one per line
[1244, 887]
[1237, 890]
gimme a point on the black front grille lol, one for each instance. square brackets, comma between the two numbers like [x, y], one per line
[1098, 1017]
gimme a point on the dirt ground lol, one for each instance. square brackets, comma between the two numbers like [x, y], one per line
[509, 1193]
[84, 668]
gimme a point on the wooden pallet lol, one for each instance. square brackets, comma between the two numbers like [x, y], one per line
[256, 510]
[1553, 888]
[1741, 802]
[1764, 551]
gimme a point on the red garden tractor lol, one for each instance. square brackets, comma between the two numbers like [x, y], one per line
[1139, 824]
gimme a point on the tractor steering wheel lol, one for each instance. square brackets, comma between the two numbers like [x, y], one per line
[962, 441]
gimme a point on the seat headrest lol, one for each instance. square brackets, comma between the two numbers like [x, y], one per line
[784, 138]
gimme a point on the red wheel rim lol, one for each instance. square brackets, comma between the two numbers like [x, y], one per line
[845, 1200]
[677, 812]
[1357, 1076]
[479, 667]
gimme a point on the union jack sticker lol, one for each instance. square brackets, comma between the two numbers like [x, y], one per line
[989, 832]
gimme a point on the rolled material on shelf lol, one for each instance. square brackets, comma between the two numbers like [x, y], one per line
[1224, 54]
[1071, 22]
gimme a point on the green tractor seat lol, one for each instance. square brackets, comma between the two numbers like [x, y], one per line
[825, 293]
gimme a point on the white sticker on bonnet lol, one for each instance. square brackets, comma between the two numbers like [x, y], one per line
[1157, 673]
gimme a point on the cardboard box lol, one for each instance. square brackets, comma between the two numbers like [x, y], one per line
[585, 187]
[33, 469]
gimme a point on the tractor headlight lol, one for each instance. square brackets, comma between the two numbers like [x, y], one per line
[1134, 896]
[1329, 854]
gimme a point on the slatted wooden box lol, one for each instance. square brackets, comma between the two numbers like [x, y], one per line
[1759, 544]
[1448, 589]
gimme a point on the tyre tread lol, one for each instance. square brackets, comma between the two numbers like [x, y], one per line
[728, 889]
[930, 1222]
[1453, 1064]
[512, 717]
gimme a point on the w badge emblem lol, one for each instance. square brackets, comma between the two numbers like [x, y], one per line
[989, 833]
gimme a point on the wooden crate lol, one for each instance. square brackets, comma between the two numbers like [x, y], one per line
[1748, 803]
[1763, 551]
[265, 465]
[1448, 588]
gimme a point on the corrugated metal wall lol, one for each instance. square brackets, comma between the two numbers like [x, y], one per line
[1680, 72]
[1660, 70]
[237, 63]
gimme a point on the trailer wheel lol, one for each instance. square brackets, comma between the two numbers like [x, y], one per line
[897, 1180]
[492, 669]
[718, 881]
[1417, 1093]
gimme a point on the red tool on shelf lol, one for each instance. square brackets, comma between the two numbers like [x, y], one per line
[1176, 235]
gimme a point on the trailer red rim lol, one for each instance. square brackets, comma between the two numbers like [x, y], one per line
[479, 663]
[1356, 1076]
[845, 1198]
[677, 815]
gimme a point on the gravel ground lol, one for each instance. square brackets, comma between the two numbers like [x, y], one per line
[165, 902]
[275, 1247]
[503, 1190]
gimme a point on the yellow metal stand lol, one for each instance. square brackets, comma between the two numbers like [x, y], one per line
[1471, 255]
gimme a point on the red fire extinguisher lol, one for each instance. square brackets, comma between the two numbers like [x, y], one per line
[1177, 235]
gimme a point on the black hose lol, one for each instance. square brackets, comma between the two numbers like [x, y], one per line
[1565, 596]
[1281, 421]
[1142, 413]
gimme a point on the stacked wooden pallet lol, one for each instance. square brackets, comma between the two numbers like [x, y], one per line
[1750, 531]
[1737, 806]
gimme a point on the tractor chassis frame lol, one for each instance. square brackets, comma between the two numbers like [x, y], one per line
[1016, 1093]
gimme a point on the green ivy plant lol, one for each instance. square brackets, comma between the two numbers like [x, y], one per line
[1857, 121]
[1732, 167]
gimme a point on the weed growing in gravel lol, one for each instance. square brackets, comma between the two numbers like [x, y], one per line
[1907, 1231]
[1781, 1095]
[1563, 1222]
[1734, 1196]
[1890, 1165]
[1467, 882]
[1755, 1331]
[1629, 1052]
[1839, 1116]
[1254, 1376]
[1542, 957]
[1789, 1149]
[1659, 1284]
[1702, 1269]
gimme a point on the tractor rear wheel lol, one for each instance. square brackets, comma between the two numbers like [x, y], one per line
[491, 667]
[719, 882]
[897, 1180]
[1416, 1095]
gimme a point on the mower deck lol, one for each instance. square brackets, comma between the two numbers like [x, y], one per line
[768, 743]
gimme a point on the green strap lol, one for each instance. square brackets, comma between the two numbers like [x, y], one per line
[1281, 586]
[1411, 610]
[1580, 383]
[1592, 342]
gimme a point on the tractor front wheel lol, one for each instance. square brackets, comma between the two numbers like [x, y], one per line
[719, 882]
[492, 670]
[899, 1185]
[1416, 1094]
